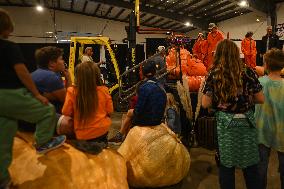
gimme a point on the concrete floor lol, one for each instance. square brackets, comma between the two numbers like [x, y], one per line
[203, 173]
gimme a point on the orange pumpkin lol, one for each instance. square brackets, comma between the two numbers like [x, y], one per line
[194, 83]
[65, 168]
[196, 68]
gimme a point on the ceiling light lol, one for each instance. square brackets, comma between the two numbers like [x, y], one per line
[243, 3]
[236, 12]
[242, 13]
[257, 20]
[187, 24]
[39, 8]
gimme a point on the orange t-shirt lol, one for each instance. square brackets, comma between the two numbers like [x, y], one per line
[99, 123]
[249, 47]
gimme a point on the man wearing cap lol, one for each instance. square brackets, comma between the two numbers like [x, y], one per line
[213, 39]
[269, 41]
[197, 47]
[151, 103]
[248, 47]
[160, 62]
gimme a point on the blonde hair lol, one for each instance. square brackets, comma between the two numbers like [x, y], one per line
[6, 22]
[87, 79]
[227, 71]
[171, 102]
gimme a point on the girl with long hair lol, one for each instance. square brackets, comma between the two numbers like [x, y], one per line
[232, 90]
[89, 104]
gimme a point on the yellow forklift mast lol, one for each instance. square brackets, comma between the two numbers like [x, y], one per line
[77, 46]
[80, 42]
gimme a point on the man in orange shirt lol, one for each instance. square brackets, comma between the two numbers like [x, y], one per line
[196, 50]
[214, 37]
[249, 50]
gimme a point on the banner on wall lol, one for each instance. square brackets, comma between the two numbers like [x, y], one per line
[280, 31]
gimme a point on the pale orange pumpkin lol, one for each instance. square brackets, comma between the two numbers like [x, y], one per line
[154, 156]
[65, 168]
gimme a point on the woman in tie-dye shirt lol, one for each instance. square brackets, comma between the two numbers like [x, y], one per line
[270, 115]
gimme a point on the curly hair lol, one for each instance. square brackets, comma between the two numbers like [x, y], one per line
[46, 54]
[227, 71]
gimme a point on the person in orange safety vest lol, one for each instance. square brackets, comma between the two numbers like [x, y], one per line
[197, 47]
[213, 38]
[249, 50]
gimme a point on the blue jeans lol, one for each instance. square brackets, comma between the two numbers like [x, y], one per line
[263, 165]
[227, 177]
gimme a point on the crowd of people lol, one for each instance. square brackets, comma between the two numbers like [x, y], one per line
[248, 109]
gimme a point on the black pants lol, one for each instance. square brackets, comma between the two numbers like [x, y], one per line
[227, 177]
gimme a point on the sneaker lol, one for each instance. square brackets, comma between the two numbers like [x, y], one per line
[54, 143]
[117, 139]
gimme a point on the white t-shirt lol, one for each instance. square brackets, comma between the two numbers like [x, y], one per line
[86, 58]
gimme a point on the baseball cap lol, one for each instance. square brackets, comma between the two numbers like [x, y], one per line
[211, 26]
[161, 48]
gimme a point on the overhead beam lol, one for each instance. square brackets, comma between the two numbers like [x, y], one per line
[149, 19]
[58, 4]
[72, 5]
[255, 5]
[96, 10]
[172, 25]
[157, 21]
[231, 15]
[85, 5]
[187, 6]
[201, 7]
[108, 11]
[216, 7]
[119, 13]
[164, 24]
[158, 4]
[162, 13]
[209, 16]
[175, 4]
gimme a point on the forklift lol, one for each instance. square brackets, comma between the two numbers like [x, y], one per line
[110, 70]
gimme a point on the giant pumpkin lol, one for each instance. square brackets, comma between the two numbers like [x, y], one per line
[65, 168]
[154, 156]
